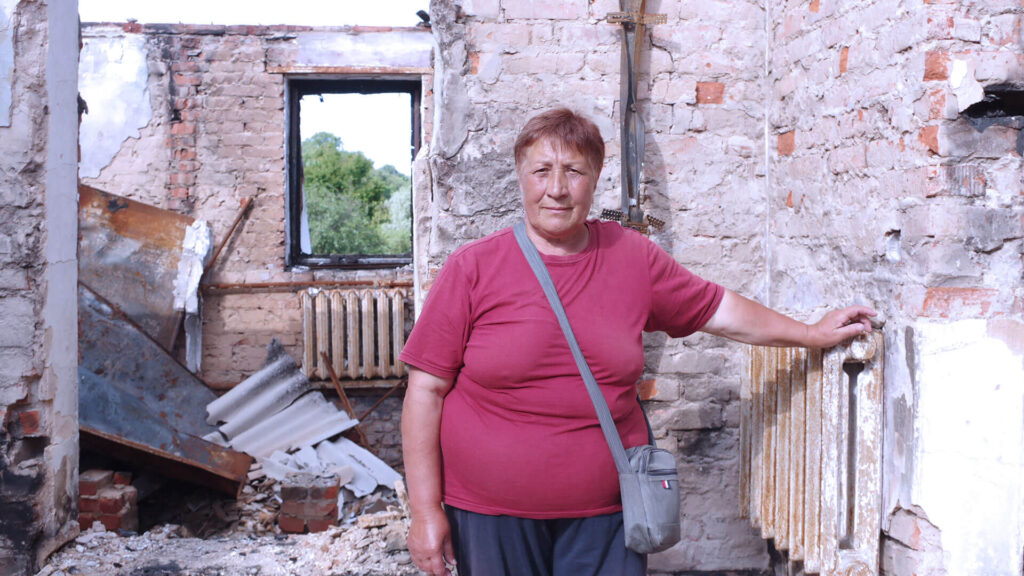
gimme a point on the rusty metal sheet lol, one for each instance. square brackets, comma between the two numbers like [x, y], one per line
[135, 396]
[129, 253]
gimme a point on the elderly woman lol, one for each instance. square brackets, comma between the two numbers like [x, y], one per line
[507, 468]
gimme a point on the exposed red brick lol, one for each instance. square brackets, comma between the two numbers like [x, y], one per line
[331, 493]
[85, 521]
[87, 504]
[291, 524]
[929, 136]
[111, 522]
[936, 66]
[787, 143]
[844, 55]
[647, 389]
[29, 422]
[319, 525]
[789, 199]
[179, 192]
[814, 6]
[184, 154]
[186, 79]
[183, 179]
[310, 508]
[936, 104]
[474, 62]
[111, 500]
[132, 27]
[91, 481]
[122, 478]
[710, 92]
[183, 128]
[947, 302]
[289, 492]
[186, 66]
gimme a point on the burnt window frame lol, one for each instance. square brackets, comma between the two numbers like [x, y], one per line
[295, 89]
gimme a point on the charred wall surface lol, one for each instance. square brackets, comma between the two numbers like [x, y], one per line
[38, 270]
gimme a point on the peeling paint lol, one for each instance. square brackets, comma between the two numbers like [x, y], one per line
[113, 81]
[194, 250]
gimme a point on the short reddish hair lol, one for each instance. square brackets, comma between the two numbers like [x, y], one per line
[566, 128]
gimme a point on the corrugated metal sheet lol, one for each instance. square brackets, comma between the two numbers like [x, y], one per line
[276, 411]
[135, 396]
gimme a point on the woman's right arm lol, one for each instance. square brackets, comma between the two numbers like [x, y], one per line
[430, 543]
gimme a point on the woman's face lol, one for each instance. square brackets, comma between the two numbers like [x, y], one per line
[558, 189]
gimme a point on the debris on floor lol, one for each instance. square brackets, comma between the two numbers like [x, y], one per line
[212, 535]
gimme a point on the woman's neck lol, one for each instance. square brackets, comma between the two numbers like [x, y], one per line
[567, 246]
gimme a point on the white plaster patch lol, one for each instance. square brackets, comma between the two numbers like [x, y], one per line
[385, 49]
[194, 250]
[112, 77]
[970, 452]
[6, 59]
[966, 89]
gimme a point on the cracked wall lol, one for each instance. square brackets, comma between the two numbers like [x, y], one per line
[38, 273]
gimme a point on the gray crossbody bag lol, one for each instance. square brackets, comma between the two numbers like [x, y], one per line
[648, 479]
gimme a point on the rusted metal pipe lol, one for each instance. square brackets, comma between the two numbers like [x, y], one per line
[344, 397]
[382, 399]
[247, 204]
[295, 285]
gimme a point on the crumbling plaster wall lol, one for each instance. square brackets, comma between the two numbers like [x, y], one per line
[881, 192]
[196, 122]
[702, 99]
[38, 274]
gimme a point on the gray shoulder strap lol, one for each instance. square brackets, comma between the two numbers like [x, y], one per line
[604, 416]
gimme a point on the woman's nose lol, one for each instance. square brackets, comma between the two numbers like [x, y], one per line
[559, 184]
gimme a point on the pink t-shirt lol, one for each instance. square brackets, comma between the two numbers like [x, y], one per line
[519, 435]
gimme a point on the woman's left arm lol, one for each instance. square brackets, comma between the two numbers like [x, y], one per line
[744, 320]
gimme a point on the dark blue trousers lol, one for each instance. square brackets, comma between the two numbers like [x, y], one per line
[509, 546]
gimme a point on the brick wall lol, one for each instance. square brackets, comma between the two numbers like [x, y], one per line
[702, 97]
[38, 272]
[882, 192]
[213, 134]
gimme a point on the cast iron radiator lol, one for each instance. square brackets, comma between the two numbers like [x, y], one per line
[362, 332]
[811, 460]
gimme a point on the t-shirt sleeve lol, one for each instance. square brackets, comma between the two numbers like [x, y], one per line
[681, 301]
[438, 339]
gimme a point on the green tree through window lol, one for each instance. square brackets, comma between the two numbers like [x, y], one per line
[353, 208]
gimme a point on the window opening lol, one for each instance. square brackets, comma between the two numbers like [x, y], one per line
[351, 145]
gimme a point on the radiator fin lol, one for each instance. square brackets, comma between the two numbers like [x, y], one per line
[361, 331]
[810, 448]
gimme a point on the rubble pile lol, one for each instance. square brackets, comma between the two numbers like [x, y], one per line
[241, 537]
